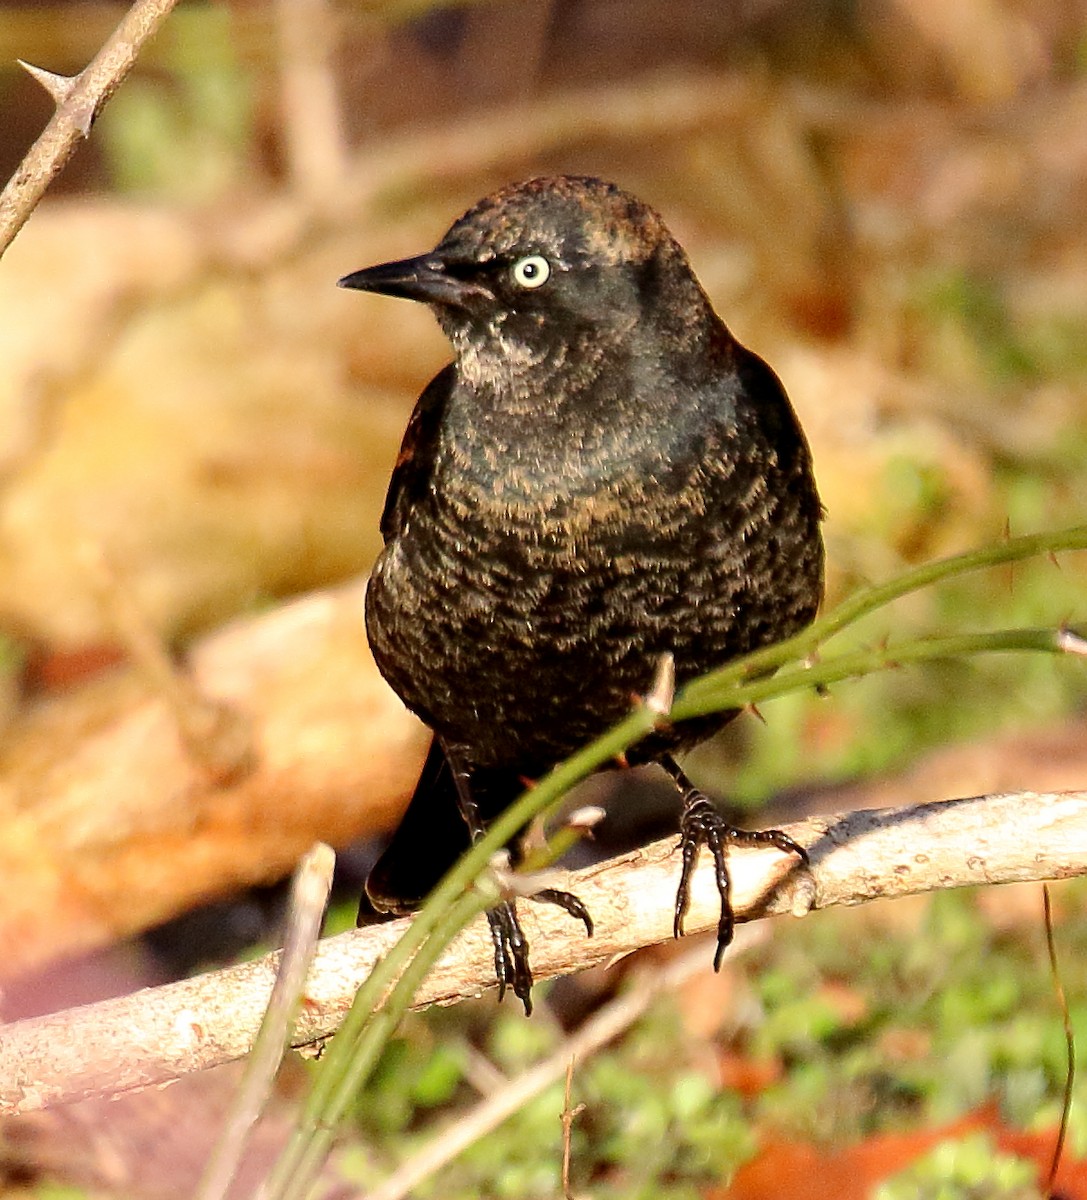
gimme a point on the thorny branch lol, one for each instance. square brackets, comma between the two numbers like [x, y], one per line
[162, 1033]
[79, 100]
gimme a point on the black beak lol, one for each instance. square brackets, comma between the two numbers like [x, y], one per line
[425, 278]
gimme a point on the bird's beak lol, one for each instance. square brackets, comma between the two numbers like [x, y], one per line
[426, 278]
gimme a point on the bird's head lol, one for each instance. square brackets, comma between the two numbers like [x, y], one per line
[545, 264]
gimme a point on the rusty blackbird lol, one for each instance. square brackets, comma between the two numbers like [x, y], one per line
[601, 476]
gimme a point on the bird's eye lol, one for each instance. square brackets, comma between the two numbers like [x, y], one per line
[532, 271]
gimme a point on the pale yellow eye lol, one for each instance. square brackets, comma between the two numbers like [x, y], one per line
[531, 272]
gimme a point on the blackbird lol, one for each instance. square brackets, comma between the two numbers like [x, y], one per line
[601, 476]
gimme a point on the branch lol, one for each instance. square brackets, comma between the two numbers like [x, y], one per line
[79, 100]
[162, 1033]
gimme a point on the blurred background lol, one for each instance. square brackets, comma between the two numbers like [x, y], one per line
[885, 200]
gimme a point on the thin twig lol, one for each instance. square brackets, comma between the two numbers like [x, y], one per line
[1069, 1042]
[703, 696]
[568, 1116]
[306, 907]
[162, 1033]
[80, 100]
[603, 1027]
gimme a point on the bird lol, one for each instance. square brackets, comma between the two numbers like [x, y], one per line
[603, 475]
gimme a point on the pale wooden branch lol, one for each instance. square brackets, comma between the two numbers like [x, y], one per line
[162, 1033]
[79, 100]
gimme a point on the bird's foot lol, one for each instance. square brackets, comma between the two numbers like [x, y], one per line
[511, 964]
[702, 825]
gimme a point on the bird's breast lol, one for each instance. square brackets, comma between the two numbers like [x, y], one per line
[495, 605]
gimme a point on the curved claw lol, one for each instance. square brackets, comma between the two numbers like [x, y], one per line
[568, 902]
[511, 964]
[702, 825]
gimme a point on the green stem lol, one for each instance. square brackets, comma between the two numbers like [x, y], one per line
[356, 1060]
[697, 702]
[869, 599]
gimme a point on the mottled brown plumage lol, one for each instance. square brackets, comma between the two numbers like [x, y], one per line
[603, 474]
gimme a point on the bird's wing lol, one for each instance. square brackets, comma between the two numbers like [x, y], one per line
[411, 474]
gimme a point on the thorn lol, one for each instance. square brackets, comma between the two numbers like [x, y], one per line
[1054, 559]
[622, 761]
[510, 884]
[60, 89]
[583, 820]
[753, 709]
[883, 648]
[663, 692]
[813, 659]
[1071, 642]
[534, 838]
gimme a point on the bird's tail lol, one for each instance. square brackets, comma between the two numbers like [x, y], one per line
[432, 834]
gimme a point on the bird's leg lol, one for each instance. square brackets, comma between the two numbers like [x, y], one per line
[702, 825]
[511, 964]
